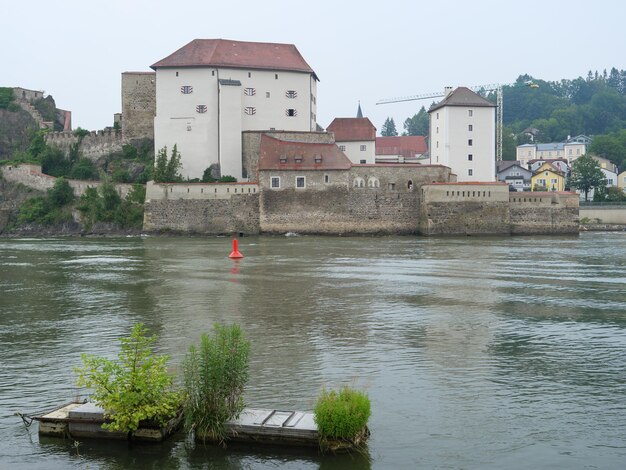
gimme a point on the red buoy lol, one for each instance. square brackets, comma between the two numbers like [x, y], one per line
[235, 254]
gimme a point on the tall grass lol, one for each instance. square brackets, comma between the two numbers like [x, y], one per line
[343, 414]
[215, 375]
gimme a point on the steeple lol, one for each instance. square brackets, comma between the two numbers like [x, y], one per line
[359, 113]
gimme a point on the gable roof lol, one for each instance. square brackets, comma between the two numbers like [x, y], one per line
[272, 150]
[506, 164]
[407, 145]
[465, 97]
[352, 129]
[237, 54]
[547, 166]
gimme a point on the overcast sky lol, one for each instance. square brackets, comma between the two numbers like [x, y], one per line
[76, 50]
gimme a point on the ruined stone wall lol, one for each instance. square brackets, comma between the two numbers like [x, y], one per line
[95, 145]
[138, 106]
[32, 177]
[202, 208]
[251, 142]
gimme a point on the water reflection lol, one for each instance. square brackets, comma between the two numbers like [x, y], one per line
[476, 352]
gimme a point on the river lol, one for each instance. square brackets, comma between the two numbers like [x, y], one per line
[475, 352]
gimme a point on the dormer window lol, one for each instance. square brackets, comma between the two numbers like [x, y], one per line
[283, 159]
[298, 158]
[318, 159]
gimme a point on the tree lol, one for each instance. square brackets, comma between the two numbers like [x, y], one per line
[586, 175]
[389, 128]
[167, 170]
[134, 388]
[418, 124]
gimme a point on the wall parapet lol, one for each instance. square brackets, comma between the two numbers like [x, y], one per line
[198, 191]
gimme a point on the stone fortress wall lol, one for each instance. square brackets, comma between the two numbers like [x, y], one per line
[95, 145]
[32, 177]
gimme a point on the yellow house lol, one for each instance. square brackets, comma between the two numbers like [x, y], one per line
[547, 178]
[621, 181]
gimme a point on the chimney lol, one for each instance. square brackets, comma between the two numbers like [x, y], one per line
[446, 91]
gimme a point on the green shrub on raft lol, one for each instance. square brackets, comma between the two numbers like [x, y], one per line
[343, 414]
[135, 388]
[215, 375]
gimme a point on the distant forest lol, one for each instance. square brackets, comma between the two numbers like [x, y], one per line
[594, 106]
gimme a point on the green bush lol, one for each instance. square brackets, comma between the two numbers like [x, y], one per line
[6, 97]
[106, 205]
[136, 387]
[227, 179]
[343, 414]
[49, 209]
[84, 169]
[215, 375]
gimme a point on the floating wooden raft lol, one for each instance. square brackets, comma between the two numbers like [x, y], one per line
[85, 420]
[274, 427]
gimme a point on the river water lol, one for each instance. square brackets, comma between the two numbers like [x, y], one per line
[475, 352]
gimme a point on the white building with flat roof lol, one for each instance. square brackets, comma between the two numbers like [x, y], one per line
[211, 90]
[463, 135]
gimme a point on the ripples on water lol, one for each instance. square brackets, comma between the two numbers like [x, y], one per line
[497, 352]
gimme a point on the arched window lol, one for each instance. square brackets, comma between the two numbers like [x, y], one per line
[373, 182]
[358, 183]
[409, 185]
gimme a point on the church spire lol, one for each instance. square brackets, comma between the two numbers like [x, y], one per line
[359, 113]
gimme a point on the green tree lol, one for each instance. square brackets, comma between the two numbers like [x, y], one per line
[611, 146]
[586, 175]
[167, 170]
[418, 124]
[509, 144]
[135, 387]
[207, 176]
[389, 128]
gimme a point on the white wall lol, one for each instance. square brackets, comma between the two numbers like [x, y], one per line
[196, 134]
[449, 146]
[355, 154]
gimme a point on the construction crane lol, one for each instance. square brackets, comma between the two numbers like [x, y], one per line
[497, 87]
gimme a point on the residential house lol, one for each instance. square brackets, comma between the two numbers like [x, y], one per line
[356, 137]
[570, 150]
[401, 149]
[559, 163]
[514, 174]
[621, 181]
[548, 178]
[463, 135]
[211, 90]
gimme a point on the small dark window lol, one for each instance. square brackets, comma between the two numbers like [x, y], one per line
[326, 178]
[470, 157]
[470, 142]
[276, 76]
[291, 112]
[249, 75]
[177, 74]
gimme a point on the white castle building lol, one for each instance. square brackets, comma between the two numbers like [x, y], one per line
[463, 135]
[211, 90]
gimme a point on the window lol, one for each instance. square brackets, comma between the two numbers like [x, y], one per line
[363, 148]
[291, 112]
[275, 182]
[186, 89]
[362, 162]
[530, 153]
[470, 142]
[318, 159]
[610, 181]
[213, 72]
[391, 186]
[470, 127]
[300, 182]
[437, 131]
[553, 181]
[358, 183]
[470, 157]
[249, 110]
[373, 182]
[283, 159]
[177, 74]
[249, 91]
[470, 172]
[291, 94]
[267, 94]
[437, 144]
[201, 108]
[409, 185]
[249, 75]
[298, 158]
[342, 148]
[470, 112]
[437, 115]
[326, 178]
[275, 76]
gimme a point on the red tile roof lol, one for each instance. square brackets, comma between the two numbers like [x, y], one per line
[406, 146]
[328, 156]
[237, 54]
[352, 129]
